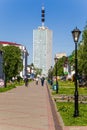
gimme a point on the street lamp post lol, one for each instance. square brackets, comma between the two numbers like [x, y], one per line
[76, 33]
[5, 76]
[51, 75]
[56, 59]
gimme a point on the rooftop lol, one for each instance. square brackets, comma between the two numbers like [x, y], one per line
[9, 43]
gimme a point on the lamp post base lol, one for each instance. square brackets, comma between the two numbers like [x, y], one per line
[76, 112]
[57, 87]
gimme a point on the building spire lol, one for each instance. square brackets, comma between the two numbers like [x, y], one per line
[43, 15]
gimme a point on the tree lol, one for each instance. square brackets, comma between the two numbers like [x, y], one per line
[71, 58]
[12, 61]
[80, 58]
[1, 47]
[82, 53]
[38, 71]
[50, 73]
[60, 66]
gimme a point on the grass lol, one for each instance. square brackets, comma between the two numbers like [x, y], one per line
[67, 110]
[19, 83]
[12, 85]
[9, 87]
[68, 88]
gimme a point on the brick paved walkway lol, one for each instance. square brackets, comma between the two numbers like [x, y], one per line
[26, 108]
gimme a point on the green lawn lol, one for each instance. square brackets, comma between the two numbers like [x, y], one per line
[12, 85]
[9, 87]
[67, 111]
[68, 88]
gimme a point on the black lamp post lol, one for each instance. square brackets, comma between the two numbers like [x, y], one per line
[51, 75]
[5, 78]
[56, 59]
[76, 33]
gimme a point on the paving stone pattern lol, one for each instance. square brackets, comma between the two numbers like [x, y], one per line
[26, 108]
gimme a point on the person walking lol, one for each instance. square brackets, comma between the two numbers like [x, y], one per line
[26, 81]
[42, 81]
[36, 80]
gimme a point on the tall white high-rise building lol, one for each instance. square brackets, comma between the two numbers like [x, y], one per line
[42, 47]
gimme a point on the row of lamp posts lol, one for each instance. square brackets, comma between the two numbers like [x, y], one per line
[76, 34]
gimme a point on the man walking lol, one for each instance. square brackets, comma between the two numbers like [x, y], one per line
[42, 81]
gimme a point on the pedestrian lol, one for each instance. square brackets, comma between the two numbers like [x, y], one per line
[36, 80]
[26, 81]
[42, 81]
[51, 81]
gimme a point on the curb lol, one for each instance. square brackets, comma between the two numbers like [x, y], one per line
[58, 122]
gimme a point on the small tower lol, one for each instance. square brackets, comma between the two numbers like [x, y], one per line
[43, 15]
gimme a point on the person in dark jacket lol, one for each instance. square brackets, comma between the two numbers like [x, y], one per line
[42, 81]
[26, 81]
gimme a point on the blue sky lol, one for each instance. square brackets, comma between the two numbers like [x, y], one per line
[18, 18]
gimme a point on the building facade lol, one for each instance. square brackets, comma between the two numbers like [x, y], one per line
[42, 49]
[60, 55]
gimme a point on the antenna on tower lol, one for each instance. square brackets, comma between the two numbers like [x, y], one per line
[43, 15]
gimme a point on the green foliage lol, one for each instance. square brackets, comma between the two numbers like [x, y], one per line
[60, 65]
[82, 53]
[71, 58]
[12, 61]
[19, 81]
[38, 71]
[1, 47]
[50, 73]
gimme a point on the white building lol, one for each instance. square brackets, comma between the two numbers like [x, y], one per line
[42, 49]
[60, 55]
[42, 46]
